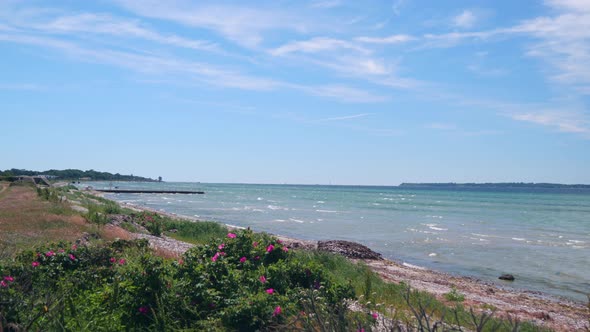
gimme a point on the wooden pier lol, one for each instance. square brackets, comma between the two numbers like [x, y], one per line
[133, 191]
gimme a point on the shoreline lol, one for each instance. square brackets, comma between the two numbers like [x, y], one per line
[546, 310]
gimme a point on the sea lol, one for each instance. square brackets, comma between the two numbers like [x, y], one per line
[542, 238]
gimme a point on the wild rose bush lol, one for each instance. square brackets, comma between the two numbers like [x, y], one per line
[243, 281]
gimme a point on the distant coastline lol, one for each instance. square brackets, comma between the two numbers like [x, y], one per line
[505, 186]
[75, 174]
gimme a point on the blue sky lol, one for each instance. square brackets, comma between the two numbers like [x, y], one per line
[320, 91]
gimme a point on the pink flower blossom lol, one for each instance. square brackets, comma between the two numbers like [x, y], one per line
[277, 311]
[9, 278]
[375, 315]
[361, 330]
[243, 259]
[221, 246]
[180, 261]
[270, 248]
[122, 261]
[285, 249]
[3, 284]
[50, 253]
[60, 251]
[254, 244]
[112, 260]
[215, 257]
[262, 279]
[279, 241]
[35, 264]
[231, 235]
[270, 291]
[74, 247]
[72, 257]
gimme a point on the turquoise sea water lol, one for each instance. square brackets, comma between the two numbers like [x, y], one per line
[541, 238]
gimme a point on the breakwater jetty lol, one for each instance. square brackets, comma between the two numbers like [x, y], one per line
[133, 191]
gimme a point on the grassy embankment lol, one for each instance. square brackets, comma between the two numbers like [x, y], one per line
[137, 290]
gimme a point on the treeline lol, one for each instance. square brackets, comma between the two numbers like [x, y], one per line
[504, 185]
[74, 174]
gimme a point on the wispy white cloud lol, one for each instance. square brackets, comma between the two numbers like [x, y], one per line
[484, 71]
[466, 19]
[314, 45]
[563, 121]
[244, 25]
[326, 3]
[150, 64]
[396, 6]
[393, 39]
[346, 117]
[114, 26]
[346, 94]
[441, 126]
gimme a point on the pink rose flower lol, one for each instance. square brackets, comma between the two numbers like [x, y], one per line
[9, 278]
[285, 249]
[243, 259]
[35, 264]
[61, 251]
[270, 291]
[262, 279]
[375, 315]
[112, 260]
[221, 246]
[122, 261]
[215, 257]
[270, 248]
[74, 247]
[50, 253]
[3, 283]
[277, 311]
[72, 257]
[255, 244]
[231, 235]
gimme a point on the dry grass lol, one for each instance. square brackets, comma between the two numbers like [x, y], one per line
[27, 221]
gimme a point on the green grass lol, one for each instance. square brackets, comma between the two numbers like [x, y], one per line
[194, 232]
[397, 300]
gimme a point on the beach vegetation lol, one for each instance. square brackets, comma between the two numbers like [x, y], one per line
[454, 295]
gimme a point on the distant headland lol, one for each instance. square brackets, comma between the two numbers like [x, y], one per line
[497, 186]
[76, 174]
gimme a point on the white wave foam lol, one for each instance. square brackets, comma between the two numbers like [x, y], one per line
[416, 267]
[259, 198]
[432, 254]
[297, 220]
[518, 239]
[274, 207]
[327, 211]
[320, 202]
[576, 241]
[279, 220]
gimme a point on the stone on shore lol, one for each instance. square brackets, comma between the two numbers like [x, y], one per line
[507, 277]
[348, 249]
